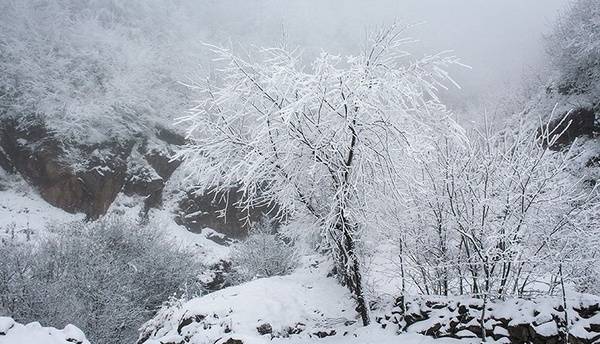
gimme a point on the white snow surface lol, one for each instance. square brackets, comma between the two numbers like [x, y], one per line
[12, 332]
[206, 250]
[24, 215]
[306, 301]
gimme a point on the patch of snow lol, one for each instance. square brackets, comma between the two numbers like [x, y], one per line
[24, 215]
[12, 332]
[547, 329]
[500, 331]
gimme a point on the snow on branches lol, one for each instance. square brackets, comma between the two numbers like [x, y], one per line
[329, 141]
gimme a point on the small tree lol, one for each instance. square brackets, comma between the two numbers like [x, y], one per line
[330, 141]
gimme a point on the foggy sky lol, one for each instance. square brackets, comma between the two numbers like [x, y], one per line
[500, 39]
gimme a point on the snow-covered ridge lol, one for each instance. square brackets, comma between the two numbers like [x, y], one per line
[12, 332]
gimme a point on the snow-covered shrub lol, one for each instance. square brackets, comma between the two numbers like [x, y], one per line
[264, 253]
[574, 47]
[106, 277]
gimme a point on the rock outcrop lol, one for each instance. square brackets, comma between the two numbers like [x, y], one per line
[574, 124]
[84, 178]
[199, 210]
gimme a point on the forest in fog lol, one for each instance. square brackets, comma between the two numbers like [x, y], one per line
[244, 172]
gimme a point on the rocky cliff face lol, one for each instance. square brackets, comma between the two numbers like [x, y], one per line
[198, 210]
[86, 178]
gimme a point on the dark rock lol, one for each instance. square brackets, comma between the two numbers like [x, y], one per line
[170, 136]
[264, 329]
[476, 306]
[521, 333]
[219, 281]
[29, 148]
[233, 341]
[323, 334]
[433, 331]
[588, 312]
[594, 328]
[186, 321]
[162, 162]
[200, 210]
[40, 159]
[298, 328]
[143, 181]
[439, 306]
[580, 122]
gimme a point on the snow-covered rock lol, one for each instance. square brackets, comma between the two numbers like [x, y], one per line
[12, 332]
[517, 320]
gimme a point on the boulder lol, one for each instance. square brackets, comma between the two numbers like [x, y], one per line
[520, 333]
[264, 329]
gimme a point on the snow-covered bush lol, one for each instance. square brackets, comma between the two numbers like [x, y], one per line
[106, 277]
[574, 48]
[264, 253]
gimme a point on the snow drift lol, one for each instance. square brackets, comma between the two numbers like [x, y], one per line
[12, 332]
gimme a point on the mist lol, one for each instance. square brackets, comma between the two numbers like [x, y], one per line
[501, 40]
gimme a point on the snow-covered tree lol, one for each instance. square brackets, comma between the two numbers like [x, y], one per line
[496, 216]
[331, 141]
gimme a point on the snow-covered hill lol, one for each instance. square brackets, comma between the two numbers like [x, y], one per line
[298, 308]
[307, 306]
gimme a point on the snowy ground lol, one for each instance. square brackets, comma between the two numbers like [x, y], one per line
[24, 215]
[12, 332]
[297, 308]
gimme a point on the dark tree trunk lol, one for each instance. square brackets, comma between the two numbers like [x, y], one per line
[350, 270]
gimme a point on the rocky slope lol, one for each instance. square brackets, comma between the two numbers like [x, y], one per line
[87, 178]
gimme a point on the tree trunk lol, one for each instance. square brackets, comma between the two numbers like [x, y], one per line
[351, 270]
